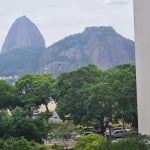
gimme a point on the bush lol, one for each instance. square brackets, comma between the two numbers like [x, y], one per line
[90, 142]
[133, 143]
[18, 144]
[20, 124]
[97, 142]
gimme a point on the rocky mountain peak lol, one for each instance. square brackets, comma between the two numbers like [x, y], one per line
[100, 30]
[101, 46]
[23, 34]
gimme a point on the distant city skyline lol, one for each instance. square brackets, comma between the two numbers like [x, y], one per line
[57, 19]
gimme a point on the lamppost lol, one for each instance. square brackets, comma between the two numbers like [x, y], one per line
[109, 126]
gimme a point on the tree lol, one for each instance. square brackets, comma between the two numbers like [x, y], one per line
[7, 95]
[71, 87]
[123, 80]
[89, 94]
[63, 131]
[19, 123]
[35, 89]
[6, 124]
[100, 103]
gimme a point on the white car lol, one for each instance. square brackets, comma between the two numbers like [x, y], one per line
[117, 133]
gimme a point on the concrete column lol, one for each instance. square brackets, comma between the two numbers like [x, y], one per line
[142, 46]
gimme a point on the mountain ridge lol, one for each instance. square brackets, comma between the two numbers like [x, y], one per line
[95, 45]
[101, 46]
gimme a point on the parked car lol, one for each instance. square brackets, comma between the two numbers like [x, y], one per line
[117, 133]
[114, 132]
[35, 113]
[118, 128]
[87, 132]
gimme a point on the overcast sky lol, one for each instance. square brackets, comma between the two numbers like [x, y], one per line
[59, 18]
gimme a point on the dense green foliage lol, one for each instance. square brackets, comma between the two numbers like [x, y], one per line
[96, 142]
[90, 94]
[29, 92]
[35, 89]
[19, 144]
[7, 95]
[90, 142]
[72, 87]
[123, 82]
[63, 130]
[134, 143]
[18, 124]
[87, 95]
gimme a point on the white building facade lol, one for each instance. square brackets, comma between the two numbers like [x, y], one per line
[142, 46]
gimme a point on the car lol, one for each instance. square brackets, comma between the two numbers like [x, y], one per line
[35, 113]
[118, 128]
[117, 133]
[87, 132]
[114, 131]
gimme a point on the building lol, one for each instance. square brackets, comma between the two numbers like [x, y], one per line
[142, 45]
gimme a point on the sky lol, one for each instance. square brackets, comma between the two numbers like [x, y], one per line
[57, 19]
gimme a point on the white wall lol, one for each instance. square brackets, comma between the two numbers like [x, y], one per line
[142, 45]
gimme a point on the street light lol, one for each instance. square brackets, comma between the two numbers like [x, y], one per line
[109, 126]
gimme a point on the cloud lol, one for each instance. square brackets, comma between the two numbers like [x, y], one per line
[116, 2]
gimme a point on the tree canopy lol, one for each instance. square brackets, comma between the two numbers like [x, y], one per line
[90, 94]
[35, 89]
[19, 123]
[87, 95]
[72, 88]
[7, 95]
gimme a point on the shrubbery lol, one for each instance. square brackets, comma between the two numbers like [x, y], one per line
[133, 143]
[90, 142]
[19, 144]
[19, 124]
[97, 142]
